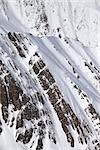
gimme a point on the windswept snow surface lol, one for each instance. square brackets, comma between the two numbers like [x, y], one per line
[49, 75]
[76, 19]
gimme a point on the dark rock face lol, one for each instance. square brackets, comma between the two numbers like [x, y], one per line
[41, 124]
[38, 65]
[40, 144]
[36, 69]
[14, 94]
[30, 112]
[26, 137]
[3, 96]
[0, 127]
[19, 123]
[45, 79]
[65, 114]
[16, 42]
[29, 116]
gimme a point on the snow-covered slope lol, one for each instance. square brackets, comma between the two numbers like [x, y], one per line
[77, 19]
[49, 85]
[46, 94]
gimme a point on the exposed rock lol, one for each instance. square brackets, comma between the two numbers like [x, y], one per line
[30, 112]
[27, 136]
[40, 144]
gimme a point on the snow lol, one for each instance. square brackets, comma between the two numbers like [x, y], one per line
[7, 141]
[78, 23]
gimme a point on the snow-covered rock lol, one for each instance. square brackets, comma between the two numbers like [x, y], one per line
[49, 75]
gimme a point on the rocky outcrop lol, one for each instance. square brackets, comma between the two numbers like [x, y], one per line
[27, 85]
[28, 115]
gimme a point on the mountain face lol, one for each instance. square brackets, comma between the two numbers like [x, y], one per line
[49, 75]
[75, 19]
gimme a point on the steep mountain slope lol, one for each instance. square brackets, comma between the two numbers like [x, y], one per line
[34, 101]
[75, 19]
[49, 85]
